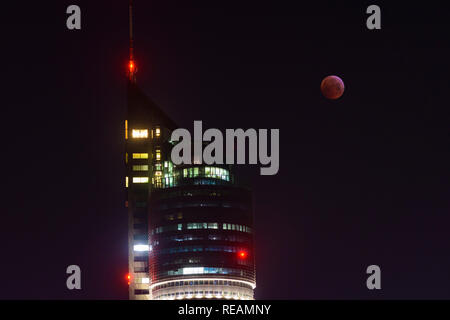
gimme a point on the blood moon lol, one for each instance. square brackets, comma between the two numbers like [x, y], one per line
[332, 87]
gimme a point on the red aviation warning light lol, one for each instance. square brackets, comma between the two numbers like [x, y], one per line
[128, 278]
[131, 66]
[131, 63]
[242, 254]
[132, 70]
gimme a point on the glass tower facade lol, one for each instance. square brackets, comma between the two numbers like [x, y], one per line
[190, 226]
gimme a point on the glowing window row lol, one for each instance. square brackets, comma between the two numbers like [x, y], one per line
[140, 155]
[165, 182]
[139, 133]
[219, 173]
[145, 155]
[204, 294]
[141, 247]
[140, 179]
[203, 282]
[205, 270]
[142, 280]
[142, 133]
[207, 172]
[236, 227]
[143, 167]
[202, 225]
[136, 180]
[191, 172]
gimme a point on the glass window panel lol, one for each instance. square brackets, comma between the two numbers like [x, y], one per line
[140, 179]
[140, 155]
[139, 133]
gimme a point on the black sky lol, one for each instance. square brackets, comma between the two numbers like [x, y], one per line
[363, 180]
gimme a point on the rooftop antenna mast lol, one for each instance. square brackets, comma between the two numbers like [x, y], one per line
[131, 64]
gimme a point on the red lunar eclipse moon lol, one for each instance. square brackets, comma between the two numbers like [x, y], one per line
[332, 87]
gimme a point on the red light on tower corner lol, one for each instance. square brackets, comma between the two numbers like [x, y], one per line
[128, 278]
[132, 69]
[131, 66]
[242, 254]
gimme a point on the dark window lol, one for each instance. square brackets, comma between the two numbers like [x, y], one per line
[141, 204]
[143, 237]
[140, 269]
[140, 258]
[141, 291]
[140, 226]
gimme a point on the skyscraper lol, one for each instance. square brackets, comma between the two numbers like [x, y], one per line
[190, 226]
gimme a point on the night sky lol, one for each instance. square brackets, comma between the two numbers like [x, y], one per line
[363, 180]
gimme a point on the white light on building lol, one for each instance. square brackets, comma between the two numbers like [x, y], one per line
[141, 247]
[198, 270]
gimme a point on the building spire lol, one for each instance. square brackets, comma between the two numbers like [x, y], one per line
[132, 69]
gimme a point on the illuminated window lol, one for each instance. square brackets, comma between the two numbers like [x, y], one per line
[140, 179]
[158, 166]
[197, 270]
[208, 172]
[158, 154]
[141, 247]
[143, 167]
[203, 225]
[140, 155]
[139, 133]
[145, 280]
[157, 132]
[126, 129]
[158, 173]
[126, 182]
[207, 270]
[126, 157]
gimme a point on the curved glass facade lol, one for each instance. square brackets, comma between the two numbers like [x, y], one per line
[210, 236]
